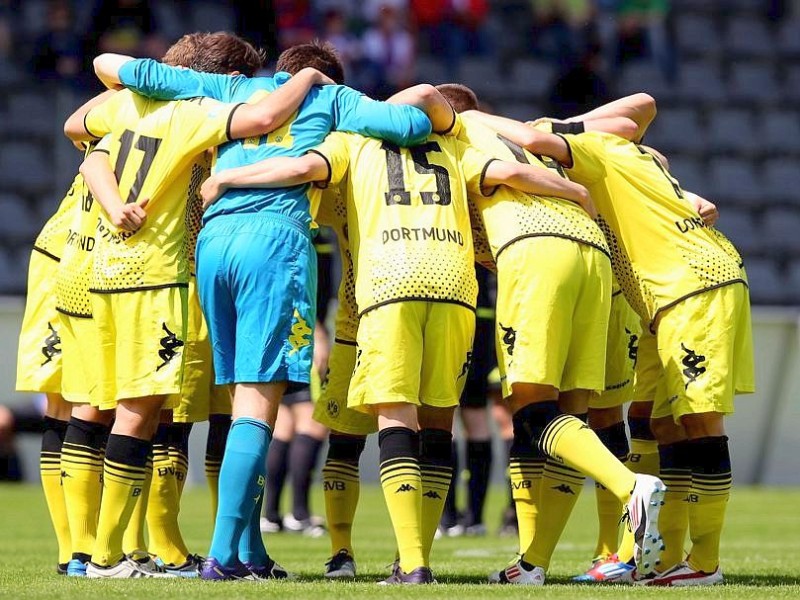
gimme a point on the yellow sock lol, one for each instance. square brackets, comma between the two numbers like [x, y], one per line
[82, 483]
[435, 485]
[558, 492]
[124, 473]
[673, 520]
[643, 459]
[402, 488]
[609, 511]
[133, 540]
[212, 468]
[711, 489]
[163, 507]
[571, 440]
[50, 471]
[525, 474]
[341, 486]
[180, 462]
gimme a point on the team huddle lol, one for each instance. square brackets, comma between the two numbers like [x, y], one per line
[161, 295]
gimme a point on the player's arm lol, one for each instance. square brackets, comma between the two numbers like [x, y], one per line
[428, 99]
[97, 172]
[75, 126]
[278, 172]
[529, 138]
[535, 180]
[401, 124]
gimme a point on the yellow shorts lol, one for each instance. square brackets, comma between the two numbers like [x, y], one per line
[141, 344]
[79, 341]
[198, 392]
[39, 354]
[705, 344]
[649, 380]
[415, 351]
[331, 407]
[624, 330]
[553, 303]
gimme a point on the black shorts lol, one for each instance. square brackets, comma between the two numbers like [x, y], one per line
[293, 397]
[484, 361]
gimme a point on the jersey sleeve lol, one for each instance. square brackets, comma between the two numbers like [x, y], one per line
[588, 157]
[99, 121]
[156, 80]
[203, 124]
[103, 145]
[473, 165]
[336, 152]
[398, 123]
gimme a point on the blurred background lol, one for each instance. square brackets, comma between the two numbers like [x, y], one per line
[725, 73]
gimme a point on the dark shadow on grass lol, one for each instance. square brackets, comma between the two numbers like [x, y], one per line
[762, 580]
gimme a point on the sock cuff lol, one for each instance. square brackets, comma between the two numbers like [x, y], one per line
[436, 447]
[398, 442]
[57, 425]
[640, 428]
[257, 423]
[345, 447]
[86, 433]
[709, 455]
[644, 446]
[479, 447]
[127, 450]
[615, 439]
[306, 440]
[553, 432]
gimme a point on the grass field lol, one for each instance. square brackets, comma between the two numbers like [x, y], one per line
[761, 556]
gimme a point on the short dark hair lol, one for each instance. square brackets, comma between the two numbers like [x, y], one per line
[459, 96]
[219, 52]
[317, 54]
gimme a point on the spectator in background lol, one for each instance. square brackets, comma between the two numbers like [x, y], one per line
[371, 9]
[57, 52]
[126, 27]
[561, 29]
[579, 88]
[389, 48]
[8, 12]
[19, 418]
[335, 32]
[295, 23]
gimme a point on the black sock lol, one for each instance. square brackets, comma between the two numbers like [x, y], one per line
[450, 513]
[303, 455]
[530, 422]
[710, 462]
[398, 442]
[53, 435]
[218, 428]
[277, 457]
[615, 439]
[128, 451]
[479, 465]
[346, 448]
[508, 444]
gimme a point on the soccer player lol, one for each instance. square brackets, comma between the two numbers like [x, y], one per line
[146, 273]
[420, 226]
[676, 272]
[552, 357]
[260, 314]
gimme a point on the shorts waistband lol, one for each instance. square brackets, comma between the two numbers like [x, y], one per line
[264, 217]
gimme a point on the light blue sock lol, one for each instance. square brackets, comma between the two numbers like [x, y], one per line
[251, 544]
[241, 485]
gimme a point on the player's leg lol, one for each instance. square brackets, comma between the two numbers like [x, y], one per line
[502, 418]
[55, 427]
[218, 427]
[278, 466]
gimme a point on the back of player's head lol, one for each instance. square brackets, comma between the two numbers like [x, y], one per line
[320, 55]
[219, 52]
[459, 96]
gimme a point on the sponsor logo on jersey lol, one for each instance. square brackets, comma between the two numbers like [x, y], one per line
[422, 234]
[509, 338]
[169, 346]
[301, 333]
[50, 349]
[689, 224]
[692, 362]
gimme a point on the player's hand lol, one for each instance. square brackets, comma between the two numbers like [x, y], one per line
[317, 77]
[129, 217]
[211, 190]
[588, 204]
[541, 120]
[322, 350]
[706, 209]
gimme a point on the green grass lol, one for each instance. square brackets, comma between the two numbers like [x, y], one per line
[761, 556]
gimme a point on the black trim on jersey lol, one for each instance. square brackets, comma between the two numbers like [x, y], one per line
[72, 314]
[615, 294]
[344, 342]
[327, 182]
[415, 299]
[690, 294]
[145, 288]
[486, 193]
[569, 151]
[86, 127]
[574, 128]
[555, 235]
[230, 121]
[453, 124]
[103, 150]
[47, 254]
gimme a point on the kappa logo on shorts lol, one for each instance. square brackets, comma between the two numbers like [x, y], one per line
[633, 345]
[509, 339]
[301, 333]
[50, 349]
[692, 361]
[467, 364]
[169, 347]
[333, 408]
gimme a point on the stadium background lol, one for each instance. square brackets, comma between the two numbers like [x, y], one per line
[725, 73]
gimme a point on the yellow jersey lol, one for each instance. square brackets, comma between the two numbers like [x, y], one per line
[661, 250]
[75, 270]
[509, 215]
[157, 149]
[407, 215]
[332, 212]
[53, 236]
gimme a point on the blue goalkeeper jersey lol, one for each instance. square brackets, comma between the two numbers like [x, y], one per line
[326, 108]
